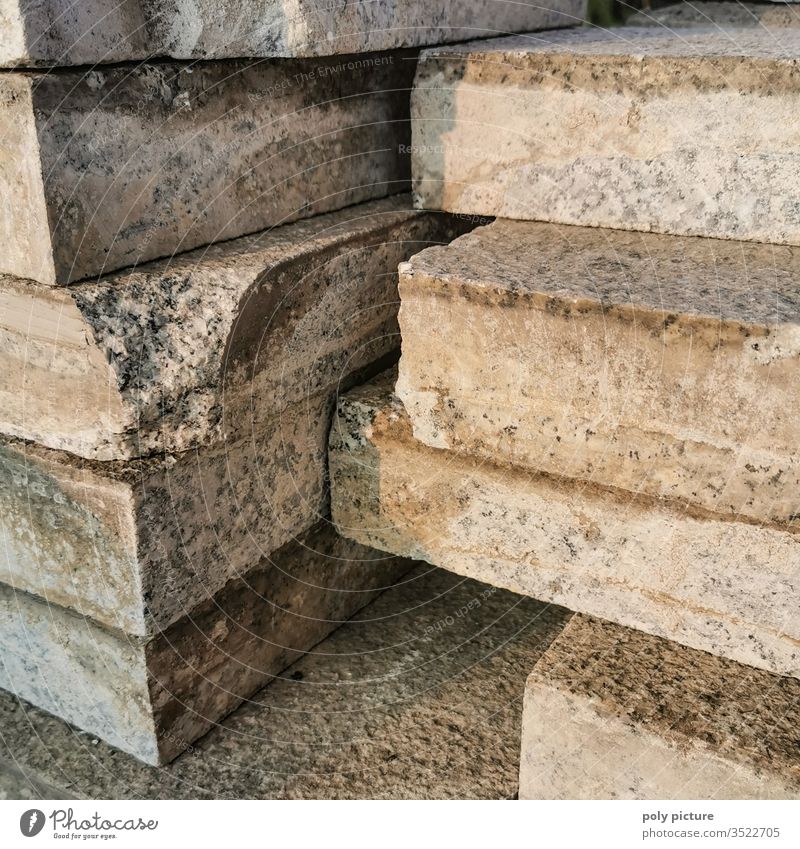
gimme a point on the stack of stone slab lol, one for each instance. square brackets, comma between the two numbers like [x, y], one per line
[196, 258]
[603, 418]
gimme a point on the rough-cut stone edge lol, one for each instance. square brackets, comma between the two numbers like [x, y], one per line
[371, 421]
[266, 32]
[611, 712]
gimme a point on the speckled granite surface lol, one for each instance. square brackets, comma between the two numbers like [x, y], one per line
[204, 347]
[718, 13]
[113, 31]
[418, 697]
[116, 166]
[615, 713]
[154, 697]
[726, 587]
[631, 128]
[655, 364]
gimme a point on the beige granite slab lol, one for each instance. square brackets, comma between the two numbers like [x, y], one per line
[419, 695]
[201, 348]
[612, 713]
[661, 365]
[726, 587]
[108, 168]
[630, 128]
[101, 31]
[721, 13]
[154, 697]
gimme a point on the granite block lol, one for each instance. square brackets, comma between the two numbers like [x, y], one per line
[153, 697]
[662, 365]
[201, 349]
[108, 168]
[718, 13]
[102, 31]
[419, 695]
[726, 587]
[629, 128]
[612, 713]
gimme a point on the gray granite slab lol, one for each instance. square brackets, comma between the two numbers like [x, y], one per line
[418, 696]
[661, 365]
[200, 349]
[612, 713]
[690, 132]
[726, 587]
[720, 13]
[154, 697]
[108, 168]
[94, 31]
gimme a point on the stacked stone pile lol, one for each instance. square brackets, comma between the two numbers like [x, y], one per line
[197, 257]
[595, 399]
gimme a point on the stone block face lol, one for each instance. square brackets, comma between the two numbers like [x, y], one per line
[202, 348]
[635, 129]
[154, 697]
[418, 695]
[103, 31]
[660, 365]
[612, 713]
[117, 166]
[718, 13]
[725, 587]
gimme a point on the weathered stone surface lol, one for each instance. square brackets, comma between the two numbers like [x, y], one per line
[719, 13]
[138, 544]
[201, 348]
[91, 31]
[726, 587]
[662, 365]
[110, 168]
[154, 697]
[634, 129]
[418, 696]
[612, 713]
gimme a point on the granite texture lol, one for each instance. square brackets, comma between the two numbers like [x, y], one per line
[718, 13]
[154, 697]
[660, 365]
[109, 168]
[726, 587]
[630, 128]
[137, 544]
[612, 713]
[418, 696]
[96, 31]
[202, 348]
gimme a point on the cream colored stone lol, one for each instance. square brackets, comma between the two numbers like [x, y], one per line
[692, 132]
[202, 348]
[92, 31]
[612, 713]
[662, 365]
[108, 168]
[154, 697]
[727, 587]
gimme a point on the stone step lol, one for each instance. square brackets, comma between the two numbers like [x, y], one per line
[112, 31]
[202, 348]
[230, 363]
[112, 167]
[729, 588]
[612, 713]
[630, 128]
[719, 13]
[662, 365]
[418, 696]
[154, 697]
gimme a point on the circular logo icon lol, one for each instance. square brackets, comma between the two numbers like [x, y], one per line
[31, 822]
